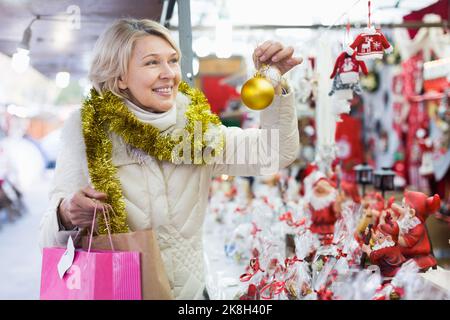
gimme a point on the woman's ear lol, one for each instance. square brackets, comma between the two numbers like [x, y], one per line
[122, 83]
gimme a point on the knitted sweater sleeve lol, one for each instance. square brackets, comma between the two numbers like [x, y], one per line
[363, 67]
[337, 64]
[386, 45]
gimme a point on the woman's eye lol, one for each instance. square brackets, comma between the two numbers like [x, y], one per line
[175, 60]
[151, 62]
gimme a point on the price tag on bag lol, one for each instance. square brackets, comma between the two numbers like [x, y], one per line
[66, 260]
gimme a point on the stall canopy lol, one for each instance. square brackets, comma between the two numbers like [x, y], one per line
[64, 31]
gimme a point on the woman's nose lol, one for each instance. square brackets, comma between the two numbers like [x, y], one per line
[167, 72]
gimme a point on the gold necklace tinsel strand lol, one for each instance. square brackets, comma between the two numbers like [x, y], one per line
[102, 114]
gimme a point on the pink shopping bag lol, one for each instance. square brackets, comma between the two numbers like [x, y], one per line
[97, 275]
[93, 274]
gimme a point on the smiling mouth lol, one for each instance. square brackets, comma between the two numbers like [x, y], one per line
[164, 91]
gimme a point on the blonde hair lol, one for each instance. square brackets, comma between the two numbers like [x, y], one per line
[113, 49]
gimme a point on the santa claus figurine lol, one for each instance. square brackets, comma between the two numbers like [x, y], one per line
[385, 253]
[413, 240]
[323, 209]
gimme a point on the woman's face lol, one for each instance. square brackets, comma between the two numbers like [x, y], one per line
[153, 74]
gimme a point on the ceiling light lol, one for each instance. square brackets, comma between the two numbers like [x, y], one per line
[20, 60]
[62, 79]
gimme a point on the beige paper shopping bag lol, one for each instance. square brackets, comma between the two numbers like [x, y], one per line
[155, 284]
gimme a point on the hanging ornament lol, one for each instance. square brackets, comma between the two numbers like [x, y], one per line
[370, 44]
[258, 92]
[345, 74]
[348, 67]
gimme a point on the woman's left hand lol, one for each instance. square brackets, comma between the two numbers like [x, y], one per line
[275, 54]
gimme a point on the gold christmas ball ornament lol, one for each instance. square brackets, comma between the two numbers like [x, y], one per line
[257, 93]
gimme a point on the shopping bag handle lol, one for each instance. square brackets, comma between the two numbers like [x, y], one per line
[107, 226]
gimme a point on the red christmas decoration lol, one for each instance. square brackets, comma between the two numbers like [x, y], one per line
[371, 44]
[413, 240]
[348, 67]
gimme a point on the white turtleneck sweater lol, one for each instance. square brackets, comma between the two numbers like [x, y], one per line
[162, 121]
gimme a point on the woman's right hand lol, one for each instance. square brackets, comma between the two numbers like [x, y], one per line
[78, 209]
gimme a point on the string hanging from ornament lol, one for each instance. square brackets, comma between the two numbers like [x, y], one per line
[371, 43]
[347, 34]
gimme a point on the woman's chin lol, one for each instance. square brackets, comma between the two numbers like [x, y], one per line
[161, 107]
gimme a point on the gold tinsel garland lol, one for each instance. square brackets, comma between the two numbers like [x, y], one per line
[102, 114]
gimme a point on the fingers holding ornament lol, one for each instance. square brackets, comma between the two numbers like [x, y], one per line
[276, 55]
[268, 50]
[272, 60]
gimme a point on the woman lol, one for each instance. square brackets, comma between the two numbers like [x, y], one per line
[136, 75]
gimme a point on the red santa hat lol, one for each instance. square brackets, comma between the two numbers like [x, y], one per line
[422, 204]
[379, 202]
[390, 229]
[307, 176]
[313, 175]
[310, 168]
[351, 190]
[390, 202]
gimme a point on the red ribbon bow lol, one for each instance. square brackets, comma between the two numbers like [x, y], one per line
[273, 288]
[287, 216]
[341, 254]
[324, 294]
[290, 261]
[266, 201]
[255, 267]
[252, 293]
[255, 229]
